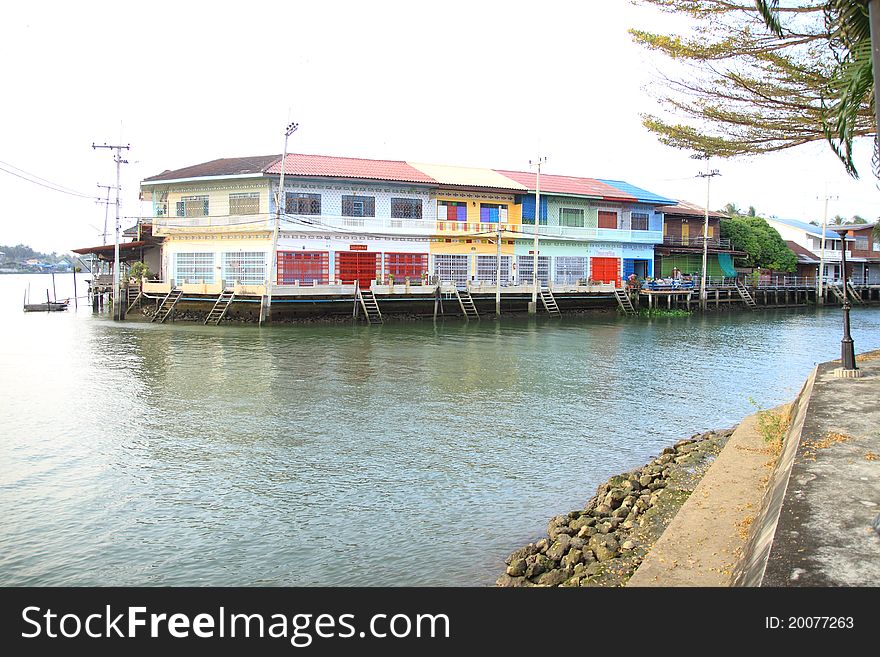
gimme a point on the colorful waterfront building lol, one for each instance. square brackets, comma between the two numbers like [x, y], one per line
[347, 221]
[682, 248]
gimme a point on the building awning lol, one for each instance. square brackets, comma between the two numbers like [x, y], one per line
[127, 250]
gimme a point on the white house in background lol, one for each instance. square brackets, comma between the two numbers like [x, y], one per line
[809, 237]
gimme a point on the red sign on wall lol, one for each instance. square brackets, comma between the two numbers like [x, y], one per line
[357, 247]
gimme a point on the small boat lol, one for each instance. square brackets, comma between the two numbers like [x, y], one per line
[48, 306]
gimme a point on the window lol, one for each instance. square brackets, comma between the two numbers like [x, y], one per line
[571, 217]
[244, 203]
[607, 219]
[862, 244]
[358, 206]
[525, 267]
[192, 206]
[451, 211]
[245, 267]
[161, 204]
[491, 213]
[640, 221]
[406, 208]
[451, 268]
[406, 265]
[487, 269]
[194, 267]
[570, 269]
[296, 203]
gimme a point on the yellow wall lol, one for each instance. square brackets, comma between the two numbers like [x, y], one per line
[480, 243]
[217, 192]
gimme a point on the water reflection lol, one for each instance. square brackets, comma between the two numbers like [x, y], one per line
[403, 454]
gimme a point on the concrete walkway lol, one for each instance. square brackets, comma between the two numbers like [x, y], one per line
[706, 537]
[813, 519]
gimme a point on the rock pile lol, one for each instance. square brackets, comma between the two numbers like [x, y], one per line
[604, 543]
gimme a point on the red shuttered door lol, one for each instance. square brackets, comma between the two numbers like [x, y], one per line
[307, 267]
[354, 266]
[606, 270]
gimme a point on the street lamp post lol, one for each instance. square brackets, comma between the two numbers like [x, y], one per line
[847, 347]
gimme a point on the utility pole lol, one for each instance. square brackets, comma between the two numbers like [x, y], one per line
[498, 271]
[266, 305]
[710, 173]
[106, 208]
[820, 288]
[118, 305]
[533, 307]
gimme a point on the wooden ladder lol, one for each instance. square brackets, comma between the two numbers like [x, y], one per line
[132, 304]
[466, 301]
[368, 303]
[836, 291]
[549, 302]
[624, 301]
[854, 296]
[167, 306]
[220, 307]
[746, 296]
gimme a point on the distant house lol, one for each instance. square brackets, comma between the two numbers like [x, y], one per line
[863, 253]
[809, 238]
[682, 247]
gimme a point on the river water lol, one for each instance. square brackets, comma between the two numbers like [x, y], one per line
[406, 454]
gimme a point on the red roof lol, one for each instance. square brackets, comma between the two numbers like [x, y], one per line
[348, 167]
[568, 185]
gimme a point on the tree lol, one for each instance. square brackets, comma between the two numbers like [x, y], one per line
[837, 220]
[743, 89]
[858, 220]
[852, 82]
[765, 247]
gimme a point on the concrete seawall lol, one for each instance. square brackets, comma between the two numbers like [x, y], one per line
[812, 519]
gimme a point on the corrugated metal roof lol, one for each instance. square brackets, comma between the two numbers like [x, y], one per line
[803, 255]
[325, 166]
[691, 210]
[810, 229]
[642, 195]
[446, 174]
[554, 184]
[228, 166]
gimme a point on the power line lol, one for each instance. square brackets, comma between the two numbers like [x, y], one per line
[52, 186]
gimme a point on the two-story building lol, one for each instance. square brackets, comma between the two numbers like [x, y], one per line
[684, 225]
[347, 219]
[808, 237]
[863, 255]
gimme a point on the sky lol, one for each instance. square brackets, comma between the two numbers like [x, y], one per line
[486, 83]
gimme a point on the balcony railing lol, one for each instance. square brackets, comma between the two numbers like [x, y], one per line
[697, 242]
[165, 225]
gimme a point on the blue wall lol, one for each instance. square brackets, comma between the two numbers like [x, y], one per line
[528, 209]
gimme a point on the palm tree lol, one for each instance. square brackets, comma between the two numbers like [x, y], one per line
[849, 34]
[731, 209]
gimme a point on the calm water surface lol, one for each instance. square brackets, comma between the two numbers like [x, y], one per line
[409, 454]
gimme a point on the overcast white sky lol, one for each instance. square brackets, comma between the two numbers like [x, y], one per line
[479, 83]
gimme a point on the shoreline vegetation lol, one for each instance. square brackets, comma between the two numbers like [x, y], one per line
[604, 543]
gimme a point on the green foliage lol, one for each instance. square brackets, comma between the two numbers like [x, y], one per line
[772, 425]
[664, 312]
[765, 247]
[139, 270]
[851, 84]
[21, 252]
[751, 89]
